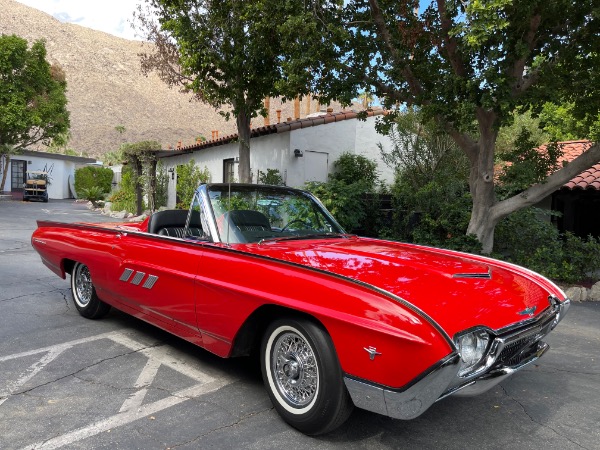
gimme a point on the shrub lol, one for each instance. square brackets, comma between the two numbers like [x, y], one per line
[346, 194]
[189, 177]
[93, 176]
[343, 200]
[162, 185]
[435, 214]
[529, 239]
[351, 169]
[93, 194]
[271, 176]
[124, 199]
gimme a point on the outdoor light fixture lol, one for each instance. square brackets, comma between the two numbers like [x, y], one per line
[298, 153]
[172, 172]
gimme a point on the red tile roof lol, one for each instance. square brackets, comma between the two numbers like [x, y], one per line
[588, 179]
[282, 127]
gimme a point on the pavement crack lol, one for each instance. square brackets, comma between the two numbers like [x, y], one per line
[75, 374]
[224, 427]
[541, 424]
[31, 294]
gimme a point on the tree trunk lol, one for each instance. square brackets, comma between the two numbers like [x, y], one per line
[243, 126]
[5, 171]
[481, 181]
[152, 184]
[138, 186]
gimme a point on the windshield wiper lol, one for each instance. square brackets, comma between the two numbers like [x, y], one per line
[306, 236]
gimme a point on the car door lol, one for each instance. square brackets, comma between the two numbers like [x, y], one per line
[156, 277]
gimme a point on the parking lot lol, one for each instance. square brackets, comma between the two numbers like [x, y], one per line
[119, 383]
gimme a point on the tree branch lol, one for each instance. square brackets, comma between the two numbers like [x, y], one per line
[407, 73]
[516, 72]
[451, 45]
[540, 190]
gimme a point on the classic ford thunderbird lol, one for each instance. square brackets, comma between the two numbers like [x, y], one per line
[338, 320]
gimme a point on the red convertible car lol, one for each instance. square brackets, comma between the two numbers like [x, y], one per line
[338, 320]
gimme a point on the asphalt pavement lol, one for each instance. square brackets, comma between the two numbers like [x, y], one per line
[119, 383]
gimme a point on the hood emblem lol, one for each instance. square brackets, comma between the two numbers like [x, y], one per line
[372, 351]
[528, 311]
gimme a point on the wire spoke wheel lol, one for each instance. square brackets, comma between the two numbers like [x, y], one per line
[84, 294]
[295, 369]
[83, 284]
[303, 376]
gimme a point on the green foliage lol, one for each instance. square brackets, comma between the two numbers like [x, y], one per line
[344, 201]
[344, 195]
[355, 169]
[561, 124]
[93, 176]
[529, 238]
[93, 194]
[436, 213]
[522, 122]
[33, 104]
[124, 198]
[467, 65]
[114, 157]
[421, 151]
[189, 177]
[226, 53]
[271, 176]
[526, 165]
[162, 185]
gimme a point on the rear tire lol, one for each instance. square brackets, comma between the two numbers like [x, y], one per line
[84, 294]
[303, 376]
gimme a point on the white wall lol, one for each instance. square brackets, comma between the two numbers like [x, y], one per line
[321, 145]
[367, 140]
[58, 173]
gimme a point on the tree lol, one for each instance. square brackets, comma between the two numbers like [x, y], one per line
[142, 158]
[226, 53]
[468, 65]
[33, 104]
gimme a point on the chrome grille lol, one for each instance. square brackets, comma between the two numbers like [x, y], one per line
[515, 348]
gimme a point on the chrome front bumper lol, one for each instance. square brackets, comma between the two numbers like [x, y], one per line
[444, 380]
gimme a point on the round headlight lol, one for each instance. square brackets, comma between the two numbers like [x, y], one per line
[471, 347]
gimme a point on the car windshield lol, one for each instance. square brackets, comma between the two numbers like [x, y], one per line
[254, 213]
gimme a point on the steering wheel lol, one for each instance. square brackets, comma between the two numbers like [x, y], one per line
[295, 221]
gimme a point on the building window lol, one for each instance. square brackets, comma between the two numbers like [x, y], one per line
[228, 172]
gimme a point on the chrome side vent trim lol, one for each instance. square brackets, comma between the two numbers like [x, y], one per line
[137, 279]
[150, 281]
[126, 274]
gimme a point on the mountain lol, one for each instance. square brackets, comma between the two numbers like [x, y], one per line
[106, 89]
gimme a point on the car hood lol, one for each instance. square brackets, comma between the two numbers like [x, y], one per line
[459, 291]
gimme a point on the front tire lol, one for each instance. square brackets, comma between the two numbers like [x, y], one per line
[84, 294]
[303, 376]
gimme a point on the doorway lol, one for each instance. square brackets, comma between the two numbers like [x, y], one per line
[18, 173]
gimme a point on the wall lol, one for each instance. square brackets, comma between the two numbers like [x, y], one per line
[58, 171]
[320, 146]
[267, 152]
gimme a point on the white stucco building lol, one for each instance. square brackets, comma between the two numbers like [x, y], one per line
[60, 168]
[302, 150]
